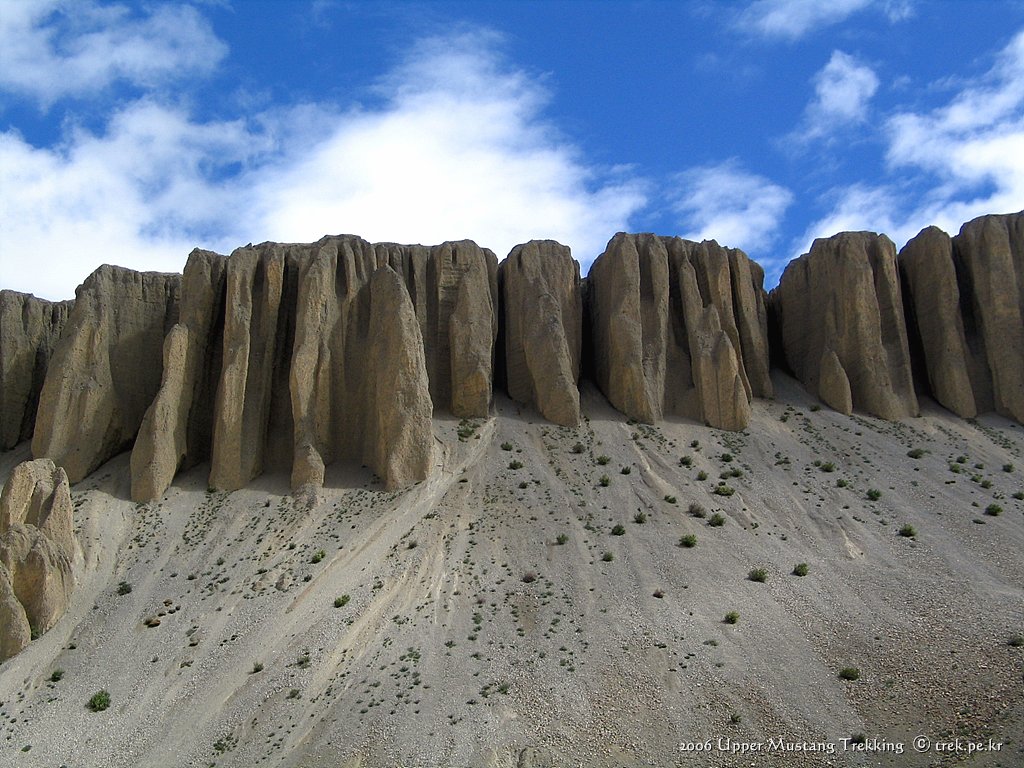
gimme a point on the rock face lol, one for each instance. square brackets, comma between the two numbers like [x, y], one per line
[679, 327]
[105, 369]
[37, 548]
[29, 330]
[268, 365]
[543, 315]
[935, 311]
[177, 430]
[843, 326]
[991, 252]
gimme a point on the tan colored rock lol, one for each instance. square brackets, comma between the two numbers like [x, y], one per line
[29, 331]
[934, 311]
[15, 632]
[656, 348]
[400, 444]
[991, 252]
[37, 547]
[176, 431]
[255, 282]
[106, 368]
[844, 296]
[834, 384]
[543, 315]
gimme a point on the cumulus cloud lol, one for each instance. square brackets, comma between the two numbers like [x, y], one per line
[843, 90]
[55, 48]
[456, 147]
[793, 19]
[725, 202]
[946, 165]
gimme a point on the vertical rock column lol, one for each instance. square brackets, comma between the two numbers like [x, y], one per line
[106, 368]
[543, 314]
[29, 330]
[843, 325]
[177, 428]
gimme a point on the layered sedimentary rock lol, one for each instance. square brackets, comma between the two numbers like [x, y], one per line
[543, 315]
[679, 327]
[177, 430]
[843, 327]
[29, 330]
[37, 548]
[105, 369]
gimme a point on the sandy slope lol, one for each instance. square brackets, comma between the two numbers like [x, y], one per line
[444, 655]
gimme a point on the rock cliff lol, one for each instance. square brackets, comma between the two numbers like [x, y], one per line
[679, 327]
[29, 330]
[106, 368]
[543, 316]
[843, 326]
[37, 548]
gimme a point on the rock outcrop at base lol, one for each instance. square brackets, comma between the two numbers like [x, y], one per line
[679, 327]
[37, 548]
[543, 316]
[29, 330]
[843, 325]
[106, 368]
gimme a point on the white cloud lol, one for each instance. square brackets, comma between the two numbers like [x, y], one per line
[55, 48]
[724, 202]
[792, 19]
[947, 165]
[457, 148]
[843, 90]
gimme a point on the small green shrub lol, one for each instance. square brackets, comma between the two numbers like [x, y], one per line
[670, 499]
[1016, 641]
[689, 541]
[318, 556]
[561, 539]
[841, 483]
[1007, 467]
[341, 601]
[686, 461]
[604, 481]
[849, 673]
[1019, 495]
[98, 702]
[993, 510]
[257, 667]
[907, 532]
[760, 575]
[579, 448]
[874, 494]
[724, 490]
[304, 660]
[915, 453]
[696, 510]
[702, 475]
[828, 466]
[716, 520]
[515, 464]
[56, 675]
[726, 457]
[801, 569]
[731, 617]
[523, 485]
[618, 530]
[529, 577]
[124, 588]
[625, 470]
[506, 446]
[640, 518]
[607, 557]
[602, 460]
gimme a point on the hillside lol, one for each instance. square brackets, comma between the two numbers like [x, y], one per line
[449, 624]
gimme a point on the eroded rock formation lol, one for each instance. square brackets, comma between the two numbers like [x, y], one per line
[843, 326]
[106, 368]
[543, 314]
[29, 330]
[37, 548]
[679, 327]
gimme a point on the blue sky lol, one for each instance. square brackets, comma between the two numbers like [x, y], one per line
[132, 132]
